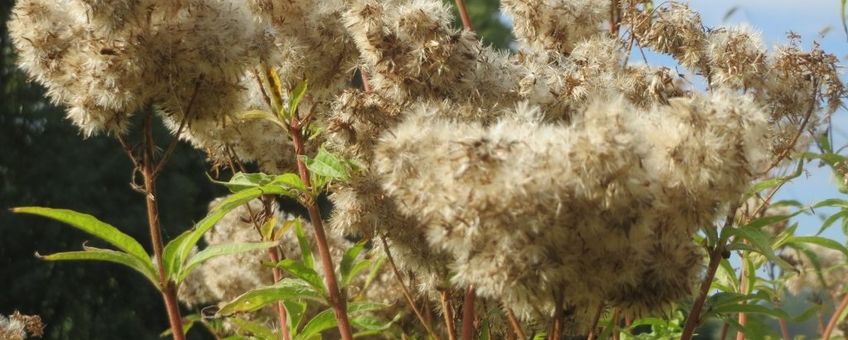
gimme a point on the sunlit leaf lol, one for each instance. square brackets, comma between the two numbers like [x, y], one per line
[253, 328]
[301, 271]
[106, 255]
[92, 226]
[321, 322]
[261, 297]
[348, 260]
[821, 241]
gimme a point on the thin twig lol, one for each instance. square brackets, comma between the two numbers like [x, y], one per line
[186, 116]
[335, 298]
[447, 312]
[463, 14]
[742, 318]
[468, 316]
[166, 286]
[794, 141]
[595, 320]
[516, 326]
[366, 82]
[784, 330]
[716, 255]
[406, 294]
[834, 320]
[276, 257]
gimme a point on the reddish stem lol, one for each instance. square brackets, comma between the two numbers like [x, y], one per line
[468, 314]
[834, 320]
[166, 286]
[556, 327]
[743, 288]
[463, 14]
[516, 326]
[695, 314]
[335, 297]
[784, 330]
[447, 312]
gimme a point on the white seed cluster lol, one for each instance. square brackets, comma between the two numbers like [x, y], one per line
[554, 175]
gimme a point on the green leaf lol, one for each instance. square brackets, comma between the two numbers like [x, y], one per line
[761, 243]
[253, 328]
[267, 229]
[297, 96]
[818, 240]
[295, 311]
[357, 268]
[305, 250]
[831, 202]
[257, 298]
[188, 323]
[370, 323]
[261, 115]
[375, 270]
[767, 220]
[328, 165]
[241, 181]
[219, 250]
[362, 307]
[107, 255]
[321, 322]
[777, 181]
[92, 226]
[831, 220]
[301, 271]
[348, 260]
[292, 182]
[178, 250]
[750, 308]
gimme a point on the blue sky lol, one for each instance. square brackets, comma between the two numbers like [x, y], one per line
[774, 18]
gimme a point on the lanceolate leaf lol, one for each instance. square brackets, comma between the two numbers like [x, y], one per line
[93, 226]
[759, 241]
[348, 260]
[254, 328]
[303, 272]
[178, 250]
[260, 297]
[321, 322]
[107, 255]
[305, 250]
[219, 250]
[818, 240]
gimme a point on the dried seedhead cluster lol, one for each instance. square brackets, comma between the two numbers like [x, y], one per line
[556, 175]
[19, 327]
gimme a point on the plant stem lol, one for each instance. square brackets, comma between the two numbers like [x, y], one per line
[694, 317]
[743, 288]
[335, 298]
[166, 286]
[281, 307]
[556, 327]
[409, 300]
[784, 330]
[468, 314]
[831, 325]
[595, 320]
[463, 14]
[516, 326]
[447, 312]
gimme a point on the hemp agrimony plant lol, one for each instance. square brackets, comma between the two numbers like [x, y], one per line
[553, 190]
